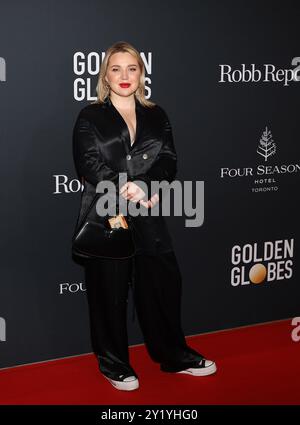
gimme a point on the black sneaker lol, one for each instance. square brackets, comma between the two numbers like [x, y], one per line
[206, 367]
[125, 382]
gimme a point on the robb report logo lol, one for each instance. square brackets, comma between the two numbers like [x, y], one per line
[72, 288]
[62, 184]
[267, 73]
[265, 176]
[2, 69]
[2, 329]
[262, 262]
[185, 196]
[87, 66]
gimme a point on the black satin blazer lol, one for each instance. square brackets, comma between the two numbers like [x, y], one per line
[102, 149]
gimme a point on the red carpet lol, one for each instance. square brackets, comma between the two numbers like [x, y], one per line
[256, 365]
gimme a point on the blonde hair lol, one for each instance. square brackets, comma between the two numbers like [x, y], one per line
[103, 89]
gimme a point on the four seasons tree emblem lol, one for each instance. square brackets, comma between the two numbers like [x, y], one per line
[266, 147]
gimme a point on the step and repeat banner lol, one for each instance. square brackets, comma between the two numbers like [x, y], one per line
[227, 73]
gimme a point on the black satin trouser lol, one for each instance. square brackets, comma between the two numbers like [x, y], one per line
[157, 298]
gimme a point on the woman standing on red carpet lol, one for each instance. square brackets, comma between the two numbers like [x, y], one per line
[122, 131]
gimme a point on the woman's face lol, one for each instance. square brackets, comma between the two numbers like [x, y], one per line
[123, 74]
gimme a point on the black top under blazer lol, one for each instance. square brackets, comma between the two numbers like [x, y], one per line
[102, 150]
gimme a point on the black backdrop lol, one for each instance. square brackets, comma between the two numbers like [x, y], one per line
[218, 125]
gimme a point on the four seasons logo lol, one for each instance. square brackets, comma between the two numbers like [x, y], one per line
[267, 147]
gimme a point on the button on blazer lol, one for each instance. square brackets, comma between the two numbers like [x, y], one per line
[102, 150]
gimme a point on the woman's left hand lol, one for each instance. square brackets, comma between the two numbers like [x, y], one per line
[132, 192]
[153, 201]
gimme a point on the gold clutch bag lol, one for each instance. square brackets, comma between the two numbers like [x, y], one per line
[118, 221]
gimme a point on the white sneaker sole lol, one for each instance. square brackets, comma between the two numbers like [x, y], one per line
[209, 370]
[124, 386]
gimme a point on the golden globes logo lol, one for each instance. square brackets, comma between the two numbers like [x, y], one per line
[86, 67]
[260, 263]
